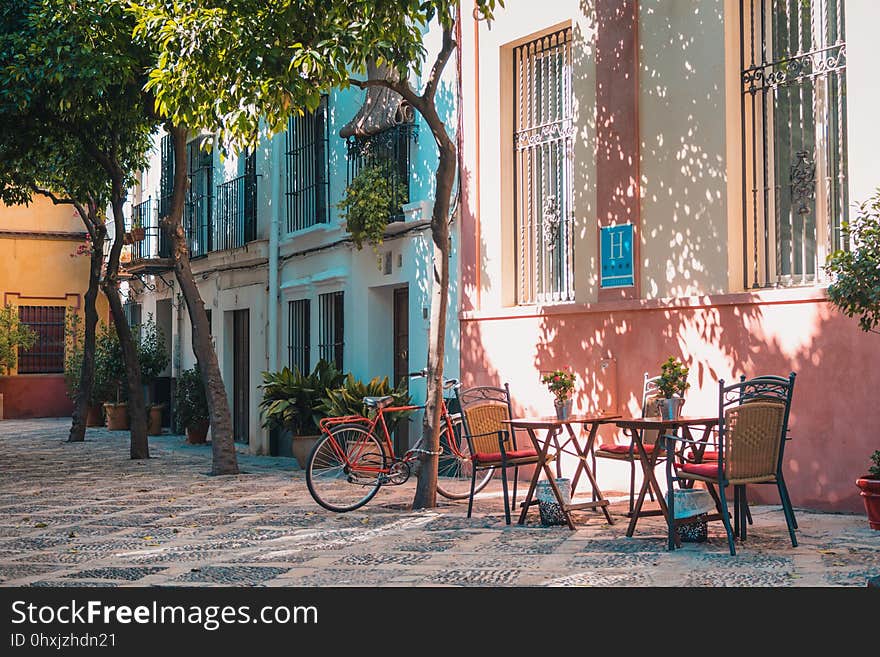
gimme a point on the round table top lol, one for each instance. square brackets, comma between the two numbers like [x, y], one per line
[553, 421]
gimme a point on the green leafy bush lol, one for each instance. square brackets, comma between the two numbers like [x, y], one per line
[368, 203]
[74, 336]
[152, 355]
[191, 402]
[874, 470]
[673, 378]
[855, 288]
[292, 400]
[13, 335]
[560, 383]
[110, 376]
[349, 399]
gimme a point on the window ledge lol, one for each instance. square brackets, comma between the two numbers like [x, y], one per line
[758, 297]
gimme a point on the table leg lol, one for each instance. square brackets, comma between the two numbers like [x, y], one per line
[583, 455]
[648, 462]
[542, 457]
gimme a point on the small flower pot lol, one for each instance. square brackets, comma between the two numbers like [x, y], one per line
[302, 446]
[670, 409]
[95, 416]
[563, 409]
[154, 426]
[117, 416]
[197, 432]
[870, 487]
[138, 234]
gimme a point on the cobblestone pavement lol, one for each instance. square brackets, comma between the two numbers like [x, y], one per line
[84, 514]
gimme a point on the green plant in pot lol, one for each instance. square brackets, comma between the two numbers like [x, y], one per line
[672, 385]
[13, 336]
[291, 406]
[869, 485]
[110, 378]
[561, 384]
[191, 405]
[73, 359]
[370, 201]
[153, 359]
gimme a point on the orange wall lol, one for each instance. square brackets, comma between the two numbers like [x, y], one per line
[41, 270]
[834, 416]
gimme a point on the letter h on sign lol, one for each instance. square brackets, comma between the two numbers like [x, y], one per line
[616, 250]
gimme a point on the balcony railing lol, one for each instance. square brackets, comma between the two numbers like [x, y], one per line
[236, 220]
[391, 150]
[154, 245]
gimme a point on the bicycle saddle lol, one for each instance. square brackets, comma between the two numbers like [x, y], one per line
[378, 402]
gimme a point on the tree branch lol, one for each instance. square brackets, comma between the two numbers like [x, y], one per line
[440, 63]
[51, 196]
[400, 87]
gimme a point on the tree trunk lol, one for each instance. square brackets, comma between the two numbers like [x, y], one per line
[222, 441]
[87, 372]
[137, 412]
[426, 488]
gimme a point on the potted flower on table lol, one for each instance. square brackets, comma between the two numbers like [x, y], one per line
[561, 384]
[672, 386]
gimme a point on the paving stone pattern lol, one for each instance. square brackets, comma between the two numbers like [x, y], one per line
[86, 515]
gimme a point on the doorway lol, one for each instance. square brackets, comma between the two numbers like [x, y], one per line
[241, 365]
[400, 336]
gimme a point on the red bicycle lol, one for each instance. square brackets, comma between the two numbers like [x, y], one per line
[352, 460]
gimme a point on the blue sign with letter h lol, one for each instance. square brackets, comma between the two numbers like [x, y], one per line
[617, 256]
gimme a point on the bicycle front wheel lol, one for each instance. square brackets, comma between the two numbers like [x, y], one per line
[455, 466]
[345, 469]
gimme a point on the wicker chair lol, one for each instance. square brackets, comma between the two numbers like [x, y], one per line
[626, 451]
[491, 442]
[753, 421]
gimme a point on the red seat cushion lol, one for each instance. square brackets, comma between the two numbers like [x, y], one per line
[702, 469]
[623, 449]
[496, 456]
[708, 455]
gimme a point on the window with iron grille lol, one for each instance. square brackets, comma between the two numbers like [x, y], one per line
[307, 168]
[299, 335]
[198, 212]
[390, 151]
[166, 175]
[47, 354]
[542, 145]
[331, 327]
[236, 222]
[794, 188]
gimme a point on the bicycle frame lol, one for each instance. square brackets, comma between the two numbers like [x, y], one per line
[369, 425]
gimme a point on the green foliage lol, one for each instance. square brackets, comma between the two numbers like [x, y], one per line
[348, 399]
[368, 203]
[292, 400]
[855, 289]
[110, 377]
[874, 470]
[191, 402]
[13, 336]
[74, 336]
[673, 378]
[560, 383]
[152, 355]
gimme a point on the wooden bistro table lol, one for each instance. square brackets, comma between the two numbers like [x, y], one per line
[552, 428]
[637, 428]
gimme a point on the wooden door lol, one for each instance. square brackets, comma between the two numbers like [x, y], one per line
[241, 375]
[401, 358]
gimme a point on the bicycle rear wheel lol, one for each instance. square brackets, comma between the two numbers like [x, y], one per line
[455, 466]
[344, 469]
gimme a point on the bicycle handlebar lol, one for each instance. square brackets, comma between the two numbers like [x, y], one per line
[423, 373]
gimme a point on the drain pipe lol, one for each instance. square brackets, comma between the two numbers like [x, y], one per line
[274, 220]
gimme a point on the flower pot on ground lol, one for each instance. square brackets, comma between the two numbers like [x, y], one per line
[869, 485]
[301, 446]
[191, 405]
[154, 425]
[561, 384]
[95, 416]
[117, 416]
[197, 432]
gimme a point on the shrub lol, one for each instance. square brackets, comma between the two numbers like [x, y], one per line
[369, 202]
[292, 400]
[349, 399]
[13, 336]
[191, 402]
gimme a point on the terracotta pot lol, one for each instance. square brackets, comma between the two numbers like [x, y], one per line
[870, 487]
[197, 432]
[302, 447]
[95, 416]
[154, 426]
[117, 416]
[138, 234]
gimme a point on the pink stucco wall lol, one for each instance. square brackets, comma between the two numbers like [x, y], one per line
[834, 419]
